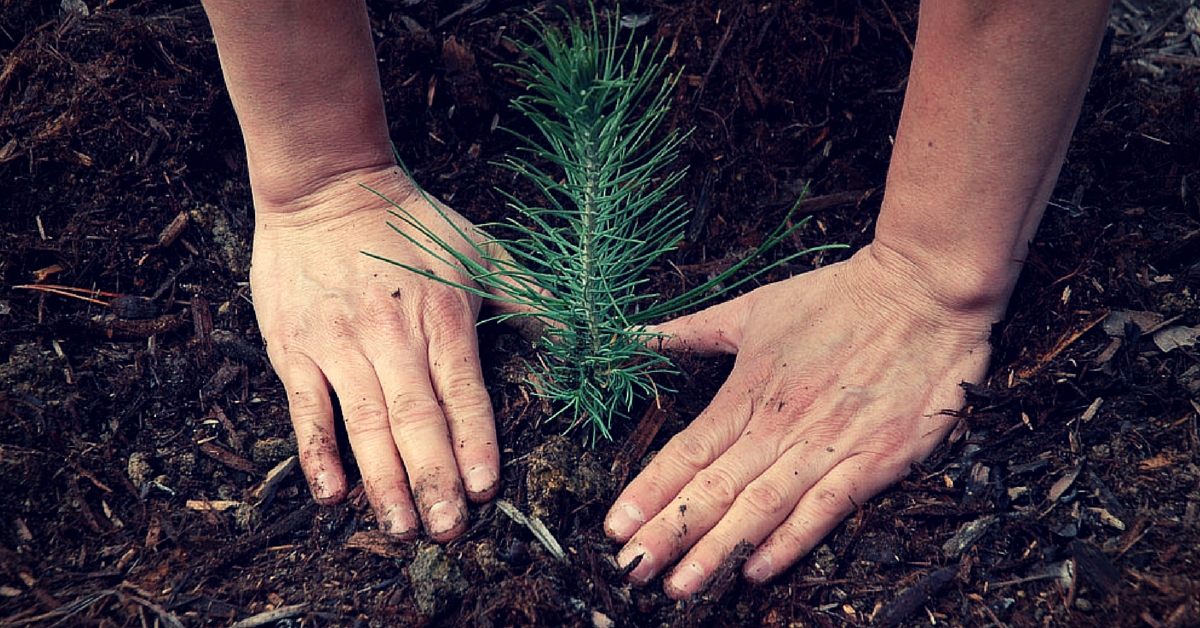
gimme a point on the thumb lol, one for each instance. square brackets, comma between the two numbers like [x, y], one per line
[717, 329]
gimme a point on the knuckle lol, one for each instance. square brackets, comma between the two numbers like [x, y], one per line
[287, 344]
[305, 407]
[693, 449]
[461, 387]
[767, 498]
[364, 415]
[825, 503]
[446, 314]
[334, 315]
[467, 406]
[413, 410]
[717, 486]
[787, 543]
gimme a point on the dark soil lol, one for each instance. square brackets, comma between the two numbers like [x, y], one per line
[1070, 498]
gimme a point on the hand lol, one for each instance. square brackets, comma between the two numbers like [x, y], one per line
[399, 350]
[844, 376]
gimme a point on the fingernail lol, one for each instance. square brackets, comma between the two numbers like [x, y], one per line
[758, 568]
[686, 579]
[625, 520]
[322, 486]
[444, 516]
[644, 570]
[399, 520]
[480, 478]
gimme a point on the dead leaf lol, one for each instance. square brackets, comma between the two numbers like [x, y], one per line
[1114, 325]
[1063, 484]
[1175, 337]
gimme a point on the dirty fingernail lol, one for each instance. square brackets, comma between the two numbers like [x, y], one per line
[444, 516]
[323, 486]
[687, 579]
[399, 520]
[758, 568]
[645, 567]
[625, 520]
[479, 479]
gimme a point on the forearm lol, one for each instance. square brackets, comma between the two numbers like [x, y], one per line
[305, 86]
[993, 97]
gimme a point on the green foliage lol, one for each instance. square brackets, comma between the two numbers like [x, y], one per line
[608, 216]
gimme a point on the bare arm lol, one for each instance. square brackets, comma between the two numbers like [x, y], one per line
[400, 352]
[993, 97]
[304, 83]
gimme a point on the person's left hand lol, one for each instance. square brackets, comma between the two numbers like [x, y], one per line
[844, 377]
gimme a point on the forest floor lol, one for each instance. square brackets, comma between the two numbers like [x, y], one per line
[1069, 497]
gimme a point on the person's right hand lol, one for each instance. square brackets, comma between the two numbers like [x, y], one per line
[399, 350]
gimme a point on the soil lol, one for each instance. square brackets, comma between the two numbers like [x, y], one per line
[137, 435]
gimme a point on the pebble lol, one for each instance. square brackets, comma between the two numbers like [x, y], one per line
[139, 468]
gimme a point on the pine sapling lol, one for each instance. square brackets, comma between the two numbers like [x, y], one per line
[579, 261]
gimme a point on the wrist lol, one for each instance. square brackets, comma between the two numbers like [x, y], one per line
[292, 185]
[959, 282]
[332, 196]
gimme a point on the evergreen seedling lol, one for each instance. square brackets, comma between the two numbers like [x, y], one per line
[605, 180]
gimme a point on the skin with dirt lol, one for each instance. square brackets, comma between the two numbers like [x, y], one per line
[1069, 495]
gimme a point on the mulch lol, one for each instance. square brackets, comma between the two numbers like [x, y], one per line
[145, 447]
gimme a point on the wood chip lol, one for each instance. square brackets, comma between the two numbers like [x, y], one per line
[173, 230]
[226, 457]
[1092, 565]
[909, 600]
[221, 380]
[968, 533]
[1108, 519]
[377, 542]
[1157, 462]
[262, 494]
[212, 505]
[639, 441]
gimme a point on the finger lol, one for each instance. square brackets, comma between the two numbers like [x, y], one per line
[679, 462]
[829, 501]
[759, 508]
[717, 329]
[312, 418]
[415, 426]
[458, 382]
[367, 426]
[704, 502]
